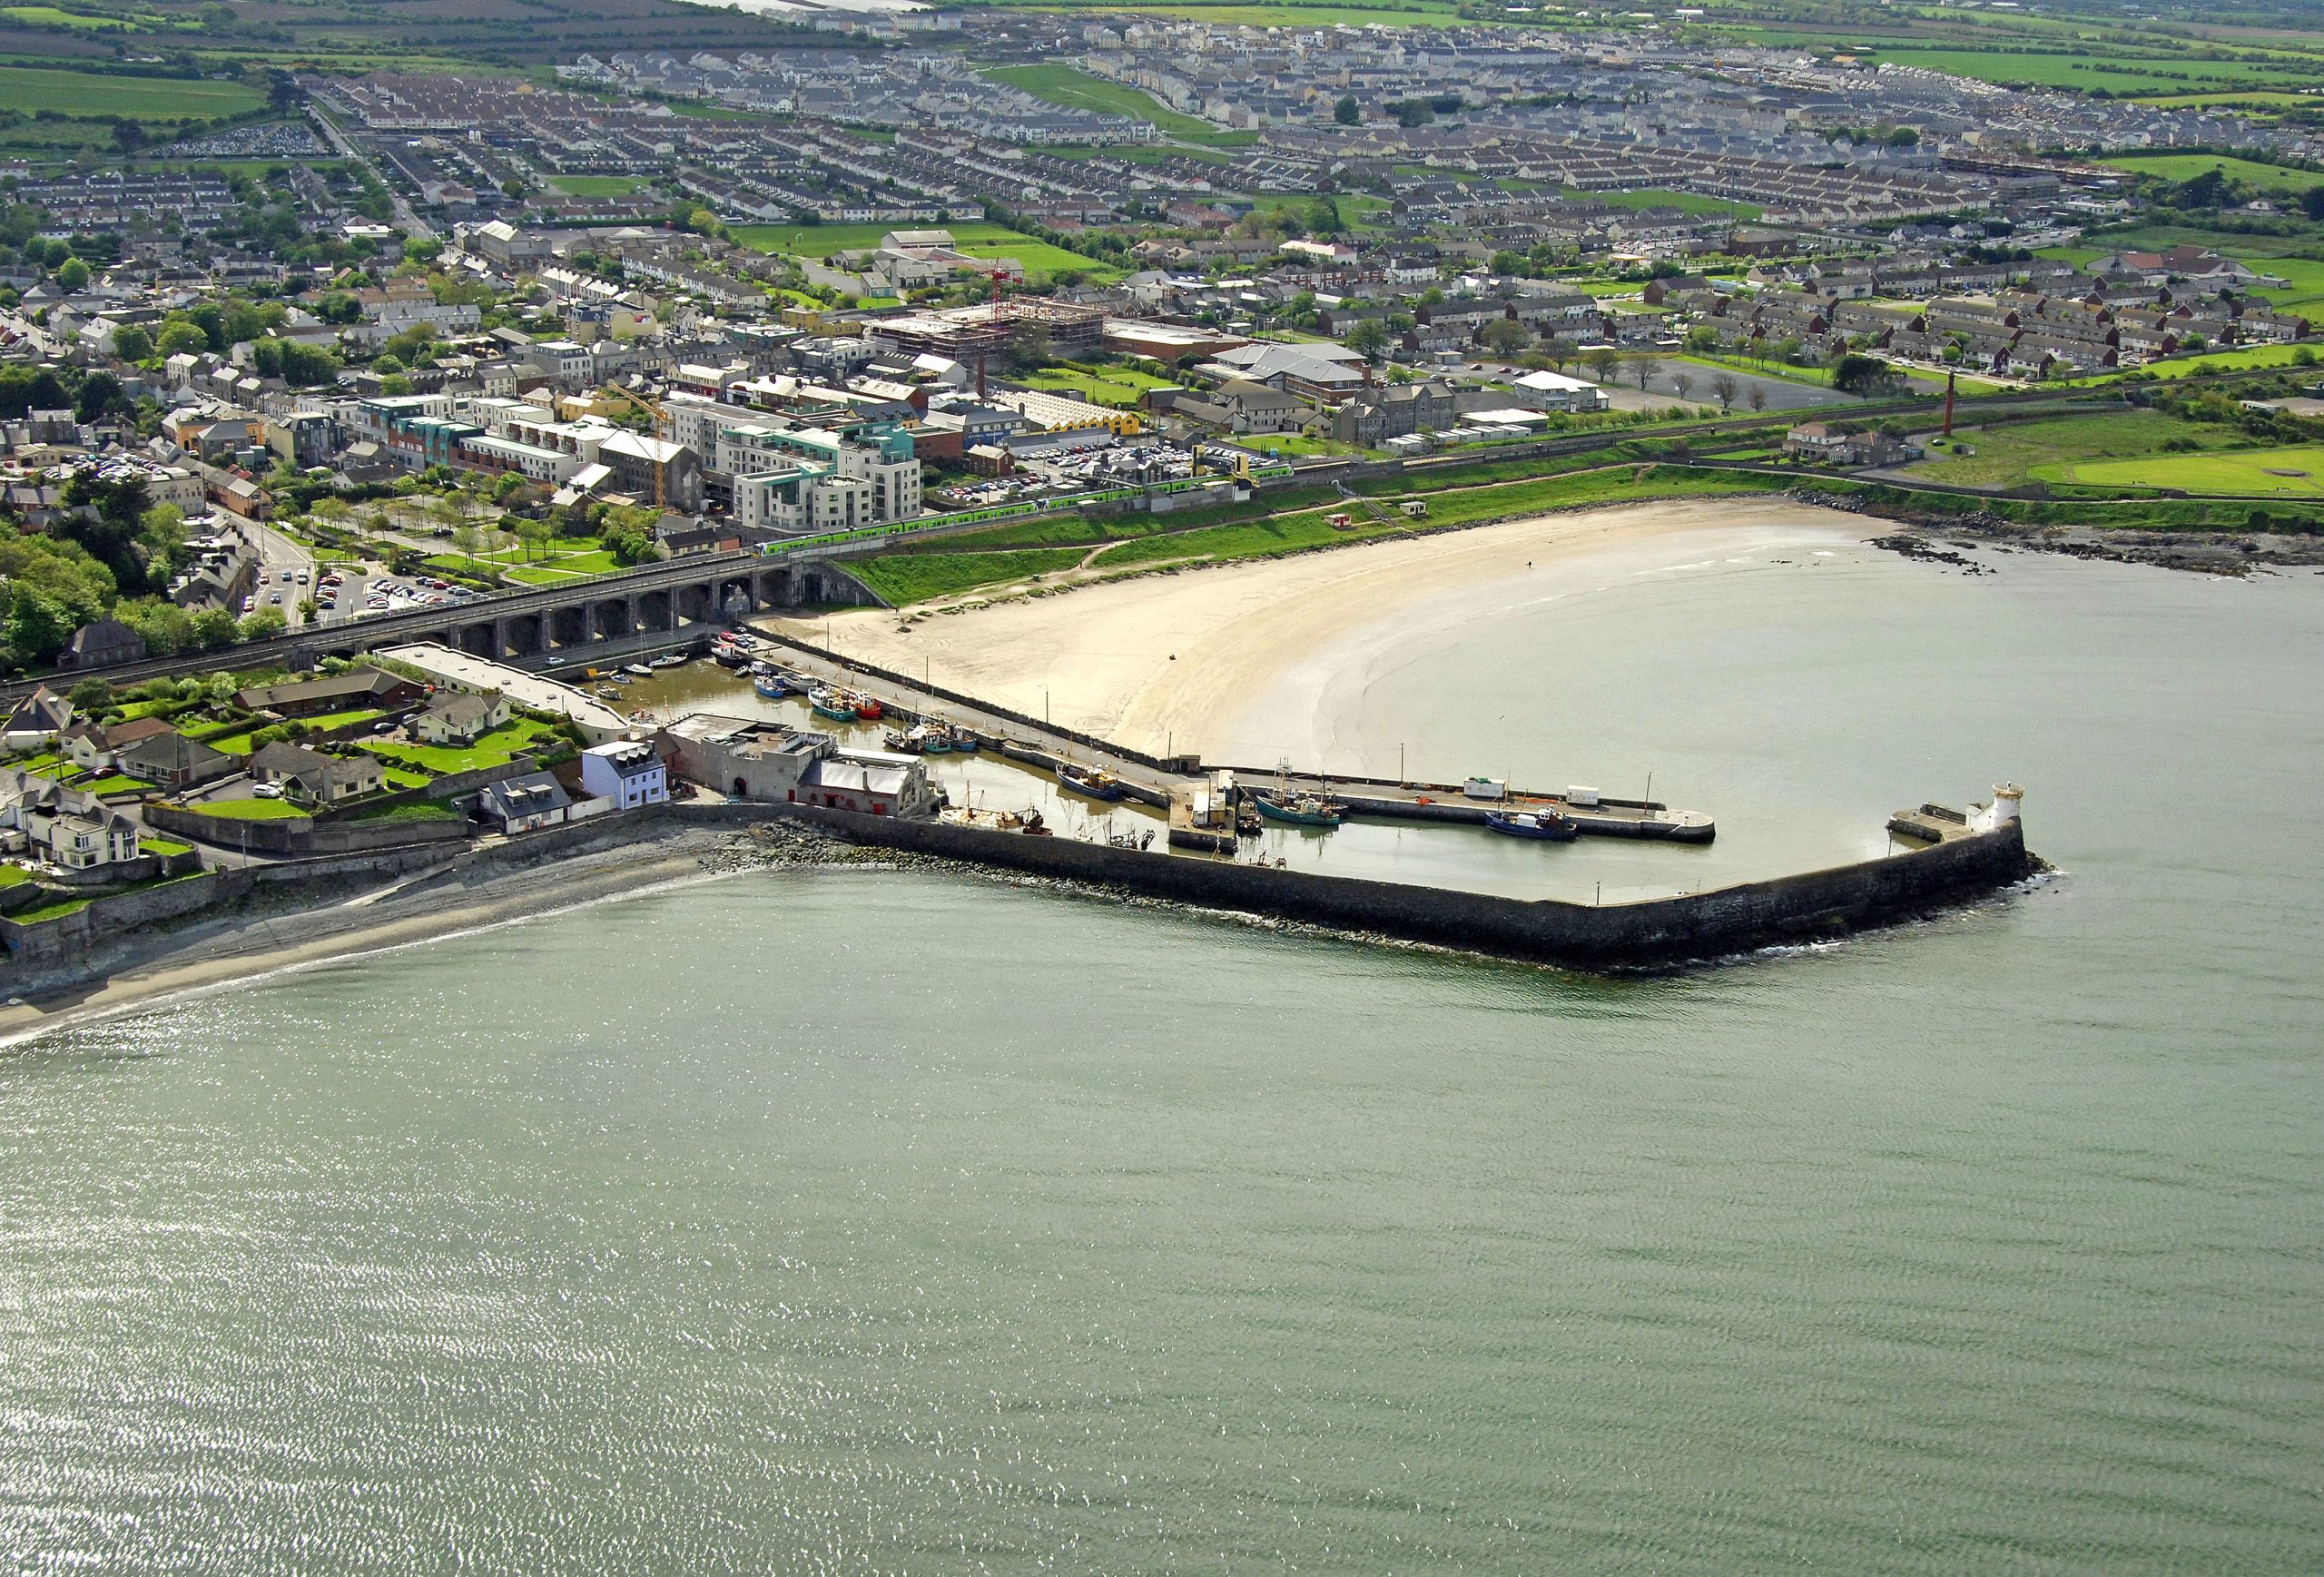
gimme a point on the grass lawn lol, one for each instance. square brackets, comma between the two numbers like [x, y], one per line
[114, 783]
[329, 720]
[403, 777]
[1119, 386]
[2257, 358]
[234, 743]
[2013, 453]
[14, 875]
[1055, 83]
[820, 240]
[2295, 472]
[494, 749]
[596, 185]
[910, 577]
[166, 847]
[1661, 197]
[91, 95]
[1042, 261]
[2187, 166]
[251, 810]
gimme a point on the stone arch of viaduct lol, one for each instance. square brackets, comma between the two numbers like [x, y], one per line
[609, 610]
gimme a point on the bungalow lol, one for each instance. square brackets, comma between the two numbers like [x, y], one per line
[520, 804]
[95, 749]
[357, 689]
[310, 776]
[36, 719]
[172, 762]
[461, 720]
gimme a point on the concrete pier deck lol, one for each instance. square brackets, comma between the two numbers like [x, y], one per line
[1158, 782]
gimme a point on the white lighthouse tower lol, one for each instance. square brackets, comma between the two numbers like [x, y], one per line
[2002, 812]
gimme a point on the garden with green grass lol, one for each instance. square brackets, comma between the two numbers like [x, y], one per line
[494, 749]
[1120, 388]
[252, 810]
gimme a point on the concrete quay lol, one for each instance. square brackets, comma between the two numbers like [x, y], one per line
[1169, 783]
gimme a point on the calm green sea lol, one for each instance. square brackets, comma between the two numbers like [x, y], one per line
[854, 1222]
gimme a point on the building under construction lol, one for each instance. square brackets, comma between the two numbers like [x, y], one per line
[966, 334]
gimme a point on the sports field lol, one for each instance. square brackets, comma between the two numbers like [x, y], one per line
[1055, 83]
[820, 240]
[2292, 472]
[596, 185]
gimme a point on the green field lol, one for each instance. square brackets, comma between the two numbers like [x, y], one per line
[1042, 262]
[91, 95]
[494, 749]
[2117, 75]
[597, 185]
[2015, 453]
[1658, 197]
[50, 16]
[1055, 83]
[2187, 166]
[822, 240]
[2296, 472]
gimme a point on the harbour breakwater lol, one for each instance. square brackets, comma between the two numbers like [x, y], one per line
[1649, 935]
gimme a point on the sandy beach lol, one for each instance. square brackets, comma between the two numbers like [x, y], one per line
[235, 951]
[1169, 662]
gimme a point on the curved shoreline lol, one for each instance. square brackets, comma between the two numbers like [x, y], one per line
[1165, 663]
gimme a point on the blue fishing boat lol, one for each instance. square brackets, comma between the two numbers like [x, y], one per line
[1546, 826]
[770, 684]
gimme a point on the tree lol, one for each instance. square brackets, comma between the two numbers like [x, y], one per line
[1347, 112]
[1505, 336]
[1603, 363]
[2311, 202]
[1682, 382]
[1029, 347]
[73, 275]
[37, 624]
[214, 628]
[181, 338]
[102, 396]
[131, 343]
[263, 625]
[1368, 338]
[1857, 374]
[1724, 387]
[2208, 189]
[90, 695]
[1758, 398]
[1556, 350]
[1646, 369]
[1413, 113]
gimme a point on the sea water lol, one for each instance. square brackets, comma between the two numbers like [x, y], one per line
[854, 1222]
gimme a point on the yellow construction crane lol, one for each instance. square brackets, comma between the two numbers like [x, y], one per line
[631, 398]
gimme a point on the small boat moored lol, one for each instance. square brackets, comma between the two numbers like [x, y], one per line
[1301, 810]
[638, 671]
[830, 701]
[1546, 826]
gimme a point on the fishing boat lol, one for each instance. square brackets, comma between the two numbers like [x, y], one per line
[965, 739]
[1301, 810]
[1094, 782]
[830, 701]
[727, 656]
[621, 678]
[868, 707]
[1546, 826]
[769, 685]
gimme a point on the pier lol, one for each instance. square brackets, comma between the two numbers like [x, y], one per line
[1177, 784]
